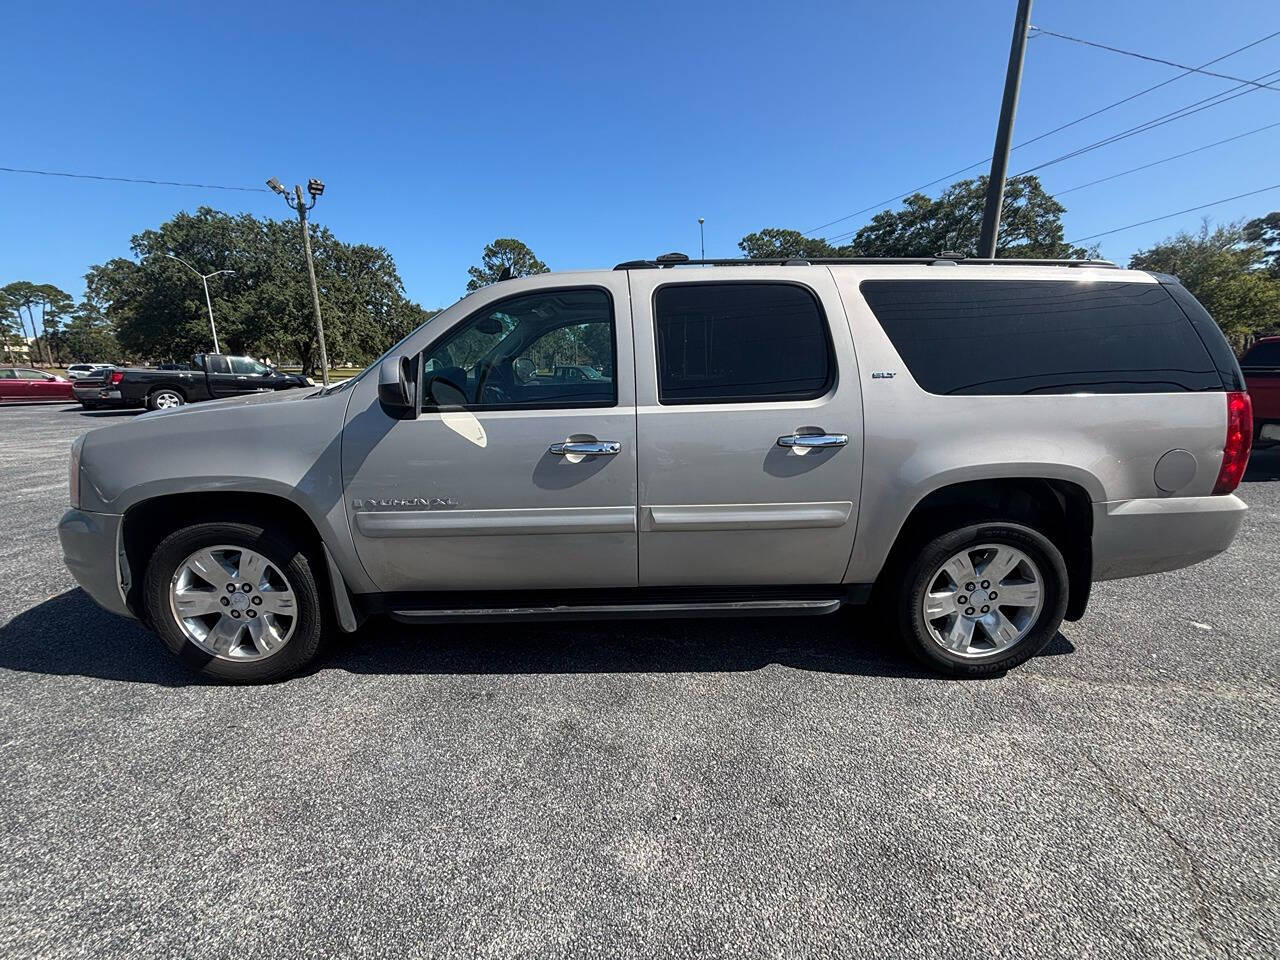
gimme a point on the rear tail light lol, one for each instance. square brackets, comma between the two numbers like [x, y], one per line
[1235, 452]
[116, 377]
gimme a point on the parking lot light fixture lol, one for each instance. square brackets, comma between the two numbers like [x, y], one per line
[315, 188]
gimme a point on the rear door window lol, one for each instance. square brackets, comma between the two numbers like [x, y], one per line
[740, 343]
[1002, 337]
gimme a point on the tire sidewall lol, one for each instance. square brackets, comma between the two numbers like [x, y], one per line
[287, 556]
[921, 571]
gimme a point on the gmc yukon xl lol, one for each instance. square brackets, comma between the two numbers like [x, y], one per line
[969, 444]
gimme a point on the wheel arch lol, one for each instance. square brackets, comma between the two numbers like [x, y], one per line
[1060, 508]
[151, 392]
[147, 522]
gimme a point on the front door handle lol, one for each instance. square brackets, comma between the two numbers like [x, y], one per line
[586, 448]
[809, 440]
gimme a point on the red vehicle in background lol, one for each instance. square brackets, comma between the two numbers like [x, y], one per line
[1261, 366]
[24, 385]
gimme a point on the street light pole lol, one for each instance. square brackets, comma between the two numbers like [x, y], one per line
[702, 238]
[204, 279]
[1000, 159]
[315, 188]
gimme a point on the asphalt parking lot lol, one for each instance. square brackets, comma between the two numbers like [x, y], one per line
[739, 788]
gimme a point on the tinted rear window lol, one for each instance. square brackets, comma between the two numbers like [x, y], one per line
[1262, 355]
[1041, 336]
[740, 343]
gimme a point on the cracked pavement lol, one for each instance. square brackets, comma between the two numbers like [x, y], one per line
[741, 787]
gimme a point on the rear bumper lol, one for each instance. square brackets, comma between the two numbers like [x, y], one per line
[101, 396]
[1136, 537]
[91, 549]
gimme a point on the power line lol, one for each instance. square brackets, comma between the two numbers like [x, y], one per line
[1048, 133]
[159, 183]
[1185, 111]
[1167, 216]
[1178, 114]
[1176, 156]
[1143, 56]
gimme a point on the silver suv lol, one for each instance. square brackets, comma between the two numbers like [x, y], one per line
[970, 444]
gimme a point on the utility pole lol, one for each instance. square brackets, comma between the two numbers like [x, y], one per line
[315, 188]
[204, 278]
[1000, 158]
[702, 239]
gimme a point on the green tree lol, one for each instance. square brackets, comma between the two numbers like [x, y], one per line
[504, 253]
[1225, 272]
[12, 330]
[1030, 226]
[52, 303]
[157, 308]
[1265, 232]
[86, 337]
[1030, 223]
[776, 243]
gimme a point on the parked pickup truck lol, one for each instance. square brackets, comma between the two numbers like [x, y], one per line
[1261, 365]
[212, 376]
[970, 445]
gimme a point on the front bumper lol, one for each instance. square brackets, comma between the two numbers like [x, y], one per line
[1136, 537]
[93, 552]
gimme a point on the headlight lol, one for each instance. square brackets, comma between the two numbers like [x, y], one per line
[310, 382]
[74, 478]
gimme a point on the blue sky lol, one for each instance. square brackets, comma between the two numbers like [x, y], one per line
[598, 132]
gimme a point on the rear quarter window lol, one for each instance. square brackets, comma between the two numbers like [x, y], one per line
[1005, 337]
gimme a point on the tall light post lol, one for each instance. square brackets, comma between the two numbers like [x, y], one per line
[315, 188]
[1004, 131]
[204, 278]
[702, 239]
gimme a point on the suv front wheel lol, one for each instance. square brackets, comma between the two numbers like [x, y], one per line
[982, 599]
[234, 601]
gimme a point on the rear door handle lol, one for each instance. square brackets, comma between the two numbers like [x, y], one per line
[586, 448]
[808, 440]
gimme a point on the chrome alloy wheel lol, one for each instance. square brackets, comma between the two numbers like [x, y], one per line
[233, 603]
[167, 399]
[983, 600]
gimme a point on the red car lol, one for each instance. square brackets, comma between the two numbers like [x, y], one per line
[24, 385]
[1261, 366]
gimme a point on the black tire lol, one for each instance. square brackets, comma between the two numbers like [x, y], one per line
[287, 555]
[153, 398]
[909, 597]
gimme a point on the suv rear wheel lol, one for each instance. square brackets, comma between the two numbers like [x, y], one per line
[234, 601]
[982, 599]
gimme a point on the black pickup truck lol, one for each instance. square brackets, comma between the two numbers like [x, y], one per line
[213, 376]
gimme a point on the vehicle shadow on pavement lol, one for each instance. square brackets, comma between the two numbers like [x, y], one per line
[1264, 465]
[69, 635]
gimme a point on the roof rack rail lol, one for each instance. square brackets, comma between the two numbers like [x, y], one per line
[668, 260]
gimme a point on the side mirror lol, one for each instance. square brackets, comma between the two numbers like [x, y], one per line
[523, 369]
[398, 387]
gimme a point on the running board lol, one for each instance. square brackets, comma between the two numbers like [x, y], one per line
[615, 611]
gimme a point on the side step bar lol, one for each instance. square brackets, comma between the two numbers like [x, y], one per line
[615, 611]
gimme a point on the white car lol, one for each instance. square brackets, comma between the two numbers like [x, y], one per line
[78, 370]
